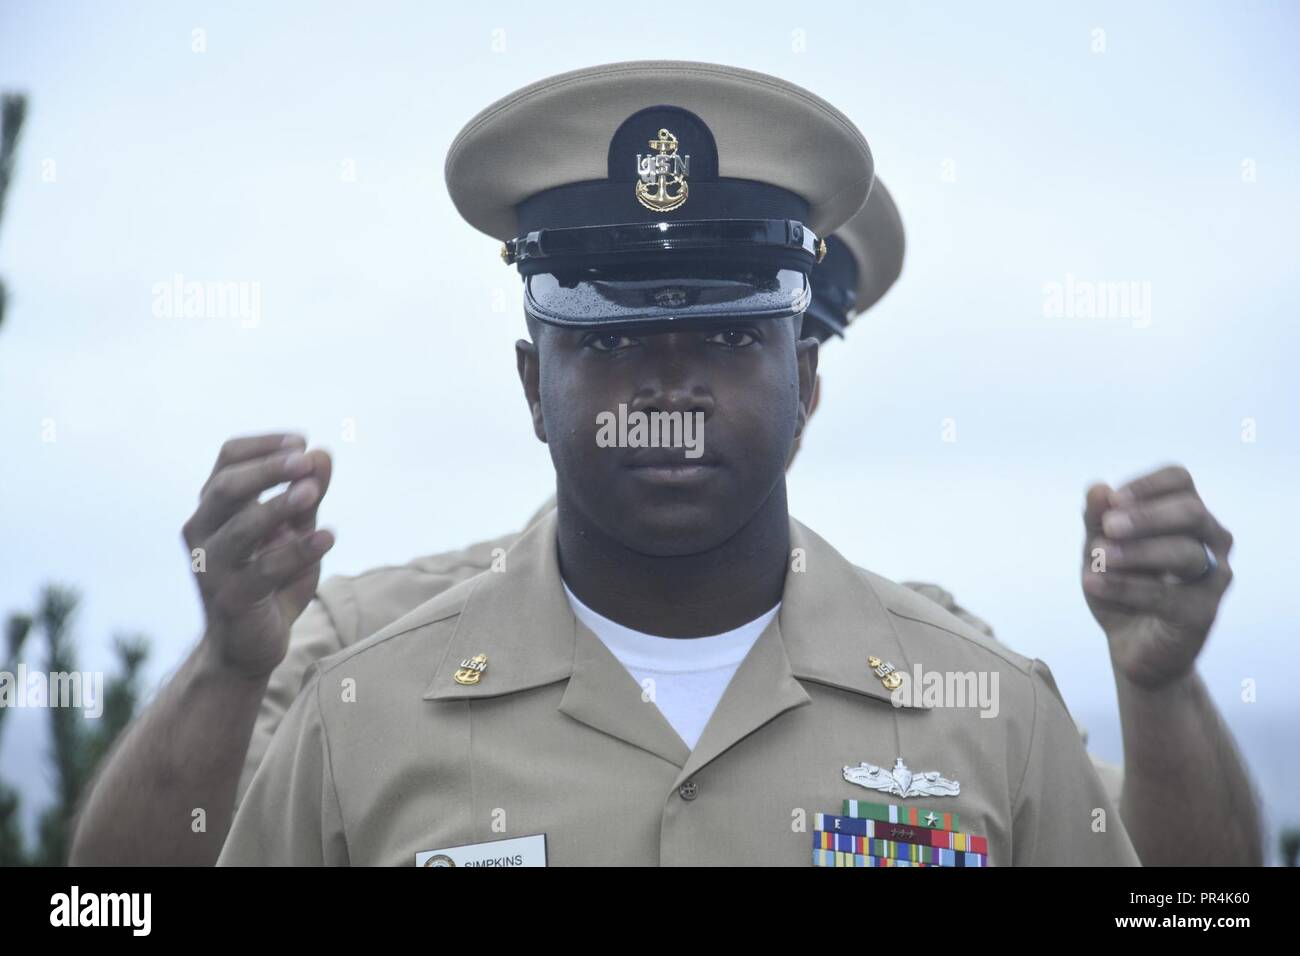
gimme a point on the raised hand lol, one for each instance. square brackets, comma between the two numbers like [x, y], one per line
[1166, 570]
[260, 560]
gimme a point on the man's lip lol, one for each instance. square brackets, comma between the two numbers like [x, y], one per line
[675, 459]
[679, 471]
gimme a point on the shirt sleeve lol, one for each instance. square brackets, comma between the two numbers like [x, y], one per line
[290, 815]
[1112, 777]
[315, 635]
[1062, 815]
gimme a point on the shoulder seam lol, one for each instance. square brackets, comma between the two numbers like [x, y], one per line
[411, 566]
[947, 630]
[1029, 750]
[329, 757]
[356, 650]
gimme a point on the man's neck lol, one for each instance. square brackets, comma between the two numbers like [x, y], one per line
[681, 596]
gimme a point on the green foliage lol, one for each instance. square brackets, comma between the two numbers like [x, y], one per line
[13, 111]
[77, 743]
[16, 630]
[1290, 846]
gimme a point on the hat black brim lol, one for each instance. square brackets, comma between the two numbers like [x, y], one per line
[628, 297]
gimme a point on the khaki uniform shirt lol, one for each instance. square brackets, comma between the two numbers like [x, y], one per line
[384, 755]
[350, 608]
[347, 609]
[1112, 775]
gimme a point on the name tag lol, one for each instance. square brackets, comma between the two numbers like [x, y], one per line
[515, 851]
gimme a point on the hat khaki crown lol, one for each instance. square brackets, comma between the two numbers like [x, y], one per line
[557, 131]
[876, 239]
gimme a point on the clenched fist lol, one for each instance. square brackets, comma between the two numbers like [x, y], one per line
[1166, 569]
[261, 559]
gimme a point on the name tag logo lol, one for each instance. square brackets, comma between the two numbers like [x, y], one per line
[515, 851]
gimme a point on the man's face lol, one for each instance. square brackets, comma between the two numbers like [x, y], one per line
[748, 382]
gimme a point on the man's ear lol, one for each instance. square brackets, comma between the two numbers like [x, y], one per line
[806, 360]
[530, 372]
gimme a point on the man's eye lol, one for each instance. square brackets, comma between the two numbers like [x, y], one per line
[733, 338]
[610, 342]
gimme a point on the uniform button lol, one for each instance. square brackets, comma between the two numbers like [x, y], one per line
[689, 790]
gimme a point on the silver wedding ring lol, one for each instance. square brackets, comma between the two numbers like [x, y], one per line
[1211, 565]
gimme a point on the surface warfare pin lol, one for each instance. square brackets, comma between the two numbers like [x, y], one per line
[900, 781]
[658, 172]
[471, 669]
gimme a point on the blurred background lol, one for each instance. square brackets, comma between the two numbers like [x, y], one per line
[297, 148]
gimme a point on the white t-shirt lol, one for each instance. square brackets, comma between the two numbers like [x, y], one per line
[688, 674]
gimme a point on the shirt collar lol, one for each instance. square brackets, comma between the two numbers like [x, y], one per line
[831, 621]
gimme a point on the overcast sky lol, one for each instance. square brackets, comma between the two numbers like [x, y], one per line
[302, 150]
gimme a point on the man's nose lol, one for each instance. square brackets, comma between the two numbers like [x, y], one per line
[672, 384]
[671, 395]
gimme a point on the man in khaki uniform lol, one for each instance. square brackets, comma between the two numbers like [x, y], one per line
[864, 260]
[349, 609]
[558, 739]
[498, 721]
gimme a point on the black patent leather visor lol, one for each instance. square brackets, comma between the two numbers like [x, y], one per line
[658, 272]
[778, 242]
[661, 296]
